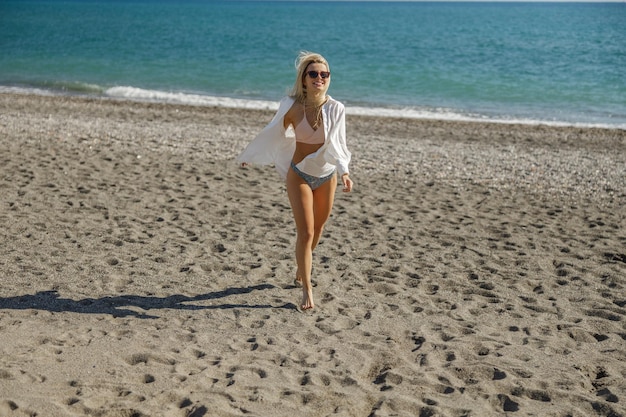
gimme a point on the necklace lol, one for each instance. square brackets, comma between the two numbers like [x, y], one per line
[317, 113]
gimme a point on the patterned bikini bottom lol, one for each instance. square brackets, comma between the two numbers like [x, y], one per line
[313, 181]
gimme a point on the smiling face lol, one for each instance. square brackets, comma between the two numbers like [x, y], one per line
[317, 85]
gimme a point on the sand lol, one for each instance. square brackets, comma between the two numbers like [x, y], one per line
[476, 270]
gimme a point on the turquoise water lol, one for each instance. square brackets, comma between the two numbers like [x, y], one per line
[561, 63]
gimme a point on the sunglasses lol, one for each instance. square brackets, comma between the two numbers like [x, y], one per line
[314, 74]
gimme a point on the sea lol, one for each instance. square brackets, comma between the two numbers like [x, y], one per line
[510, 62]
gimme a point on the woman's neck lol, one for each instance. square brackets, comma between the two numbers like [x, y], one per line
[315, 101]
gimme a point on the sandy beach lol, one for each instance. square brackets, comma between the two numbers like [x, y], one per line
[476, 270]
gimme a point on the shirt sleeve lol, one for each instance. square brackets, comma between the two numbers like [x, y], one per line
[338, 149]
[271, 145]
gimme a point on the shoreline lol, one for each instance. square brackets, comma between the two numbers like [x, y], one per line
[138, 95]
[476, 269]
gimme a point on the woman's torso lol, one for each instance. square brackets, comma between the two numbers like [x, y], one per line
[304, 123]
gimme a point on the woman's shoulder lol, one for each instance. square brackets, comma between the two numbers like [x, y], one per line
[336, 104]
[286, 101]
[285, 104]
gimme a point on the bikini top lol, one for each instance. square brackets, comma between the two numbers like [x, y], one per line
[306, 134]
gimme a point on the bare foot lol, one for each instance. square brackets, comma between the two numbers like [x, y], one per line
[307, 297]
[298, 280]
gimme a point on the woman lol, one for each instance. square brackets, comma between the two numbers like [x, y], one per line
[310, 162]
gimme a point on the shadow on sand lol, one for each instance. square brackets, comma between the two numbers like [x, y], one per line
[51, 301]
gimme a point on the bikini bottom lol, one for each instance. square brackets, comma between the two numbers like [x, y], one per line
[313, 181]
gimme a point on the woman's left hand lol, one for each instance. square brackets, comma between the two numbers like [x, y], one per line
[347, 183]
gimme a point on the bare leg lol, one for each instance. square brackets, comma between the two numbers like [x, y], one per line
[323, 199]
[301, 199]
[311, 210]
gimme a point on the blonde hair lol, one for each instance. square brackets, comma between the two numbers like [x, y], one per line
[304, 59]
